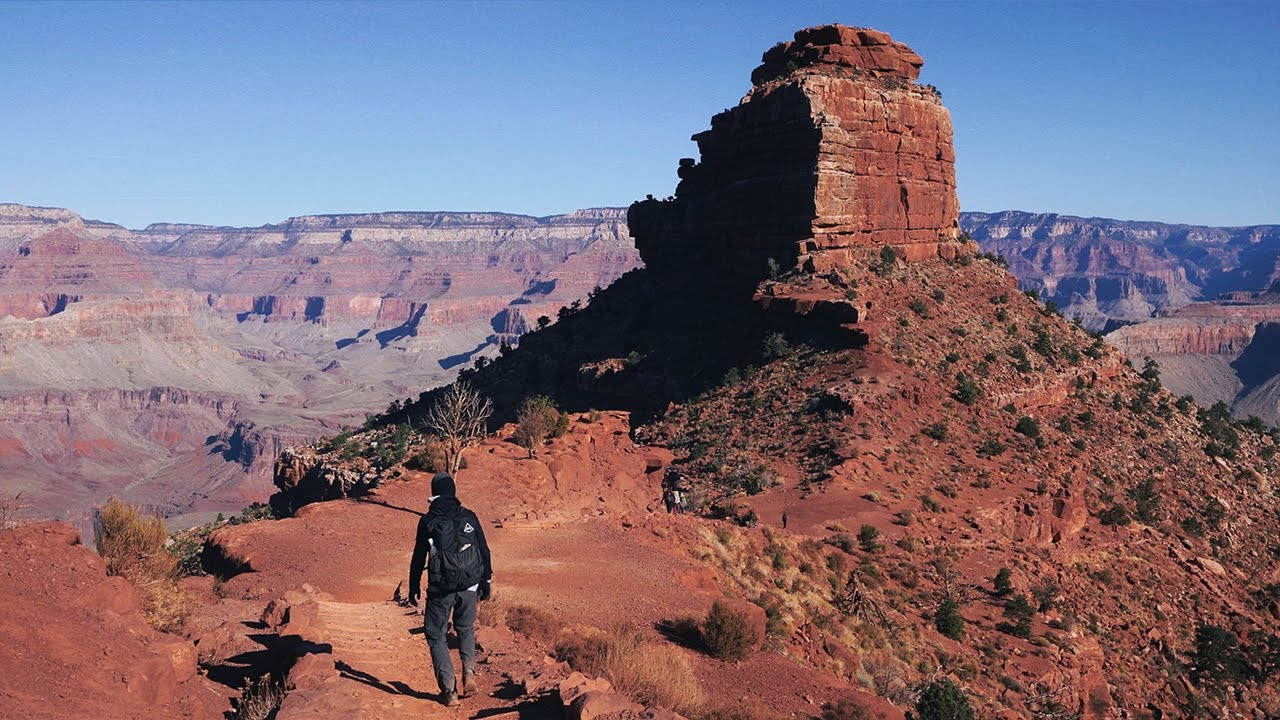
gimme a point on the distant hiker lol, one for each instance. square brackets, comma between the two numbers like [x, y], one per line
[669, 500]
[784, 519]
[679, 500]
[458, 574]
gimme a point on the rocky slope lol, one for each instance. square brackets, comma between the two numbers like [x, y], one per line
[172, 364]
[73, 641]
[955, 425]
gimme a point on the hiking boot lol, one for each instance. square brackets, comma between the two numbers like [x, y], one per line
[449, 698]
[468, 684]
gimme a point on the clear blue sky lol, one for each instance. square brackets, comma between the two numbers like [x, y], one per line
[243, 114]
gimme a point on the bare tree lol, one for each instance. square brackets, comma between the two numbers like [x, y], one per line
[458, 418]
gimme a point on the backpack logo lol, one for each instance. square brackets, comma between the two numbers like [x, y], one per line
[467, 528]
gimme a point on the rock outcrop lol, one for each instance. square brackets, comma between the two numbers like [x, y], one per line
[74, 643]
[835, 152]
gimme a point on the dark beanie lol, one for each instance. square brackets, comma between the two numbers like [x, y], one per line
[442, 484]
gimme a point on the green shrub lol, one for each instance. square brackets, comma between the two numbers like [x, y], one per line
[967, 391]
[948, 619]
[869, 538]
[775, 346]
[937, 431]
[942, 700]
[888, 260]
[538, 421]
[1027, 426]
[1003, 582]
[728, 634]
[1019, 612]
[1114, 515]
[1217, 656]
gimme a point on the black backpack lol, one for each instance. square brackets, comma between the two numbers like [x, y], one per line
[455, 558]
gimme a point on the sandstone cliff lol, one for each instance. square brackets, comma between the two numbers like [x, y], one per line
[835, 151]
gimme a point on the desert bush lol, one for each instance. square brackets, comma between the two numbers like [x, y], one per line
[1217, 656]
[942, 700]
[1114, 515]
[640, 667]
[888, 260]
[431, 458]
[869, 538]
[133, 547]
[1020, 613]
[1003, 582]
[537, 422]
[775, 346]
[844, 709]
[1028, 426]
[728, 633]
[535, 623]
[937, 431]
[967, 391]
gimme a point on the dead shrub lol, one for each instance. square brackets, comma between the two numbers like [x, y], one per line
[728, 633]
[534, 623]
[491, 612]
[646, 670]
[844, 709]
[133, 547]
[260, 699]
[10, 508]
[431, 458]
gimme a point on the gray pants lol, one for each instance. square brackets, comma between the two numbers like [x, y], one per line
[462, 605]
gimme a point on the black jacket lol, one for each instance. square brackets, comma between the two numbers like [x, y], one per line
[442, 508]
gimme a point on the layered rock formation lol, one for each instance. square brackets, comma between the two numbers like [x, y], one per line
[178, 360]
[1216, 351]
[1102, 270]
[835, 152]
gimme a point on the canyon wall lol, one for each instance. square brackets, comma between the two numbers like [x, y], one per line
[171, 364]
[1106, 272]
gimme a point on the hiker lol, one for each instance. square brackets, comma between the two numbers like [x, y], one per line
[784, 519]
[669, 500]
[458, 575]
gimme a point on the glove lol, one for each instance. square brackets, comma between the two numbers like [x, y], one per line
[485, 590]
[413, 598]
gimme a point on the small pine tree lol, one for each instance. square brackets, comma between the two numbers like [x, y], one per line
[948, 619]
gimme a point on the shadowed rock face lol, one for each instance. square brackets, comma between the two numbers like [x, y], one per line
[834, 151]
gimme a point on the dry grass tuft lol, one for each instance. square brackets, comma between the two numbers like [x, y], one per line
[260, 699]
[134, 548]
[646, 670]
[534, 623]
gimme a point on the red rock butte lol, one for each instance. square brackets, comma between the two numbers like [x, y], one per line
[835, 152]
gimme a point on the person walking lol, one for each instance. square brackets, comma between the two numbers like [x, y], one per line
[451, 544]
